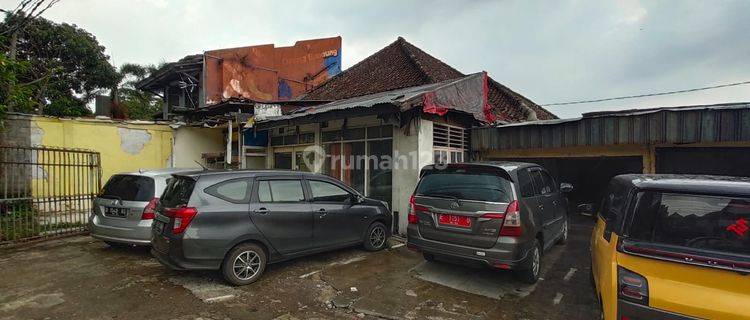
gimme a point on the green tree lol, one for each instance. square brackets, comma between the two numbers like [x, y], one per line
[12, 92]
[131, 102]
[64, 66]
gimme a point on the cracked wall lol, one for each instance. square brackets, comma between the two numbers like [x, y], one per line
[133, 141]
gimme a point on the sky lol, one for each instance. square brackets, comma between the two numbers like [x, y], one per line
[548, 51]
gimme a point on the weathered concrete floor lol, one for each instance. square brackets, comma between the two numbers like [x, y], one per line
[80, 278]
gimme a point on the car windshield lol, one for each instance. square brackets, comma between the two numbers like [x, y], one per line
[466, 185]
[129, 188]
[178, 191]
[710, 223]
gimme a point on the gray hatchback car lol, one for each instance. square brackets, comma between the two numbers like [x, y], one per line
[504, 215]
[238, 221]
[124, 209]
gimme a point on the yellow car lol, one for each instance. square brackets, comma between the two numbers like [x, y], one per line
[672, 247]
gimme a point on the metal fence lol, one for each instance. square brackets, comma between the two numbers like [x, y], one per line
[46, 192]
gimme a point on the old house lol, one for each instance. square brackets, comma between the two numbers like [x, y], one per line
[389, 115]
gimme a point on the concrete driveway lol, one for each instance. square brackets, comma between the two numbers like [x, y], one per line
[80, 278]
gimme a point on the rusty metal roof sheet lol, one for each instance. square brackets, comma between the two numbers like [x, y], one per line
[672, 125]
[400, 100]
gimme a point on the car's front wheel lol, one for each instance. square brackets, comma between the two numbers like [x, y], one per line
[376, 237]
[244, 264]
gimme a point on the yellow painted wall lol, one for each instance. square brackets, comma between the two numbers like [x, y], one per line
[191, 142]
[123, 146]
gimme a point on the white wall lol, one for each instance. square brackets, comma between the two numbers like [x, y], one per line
[417, 148]
[190, 142]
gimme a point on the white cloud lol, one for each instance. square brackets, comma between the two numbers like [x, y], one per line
[548, 51]
[632, 11]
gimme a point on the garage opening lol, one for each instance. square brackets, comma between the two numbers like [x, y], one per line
[589, 175]
[727, 161]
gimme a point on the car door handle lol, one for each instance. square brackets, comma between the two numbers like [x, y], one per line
[322, 213]
[261, 211]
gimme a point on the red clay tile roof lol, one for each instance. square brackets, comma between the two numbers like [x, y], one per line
[401, 65]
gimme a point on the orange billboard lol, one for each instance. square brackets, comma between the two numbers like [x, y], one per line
[268, 73]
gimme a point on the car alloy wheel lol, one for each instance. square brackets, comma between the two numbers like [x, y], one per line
[529, 271]
[246, 265]
[535, 262]
[563, 239]
[377, 237]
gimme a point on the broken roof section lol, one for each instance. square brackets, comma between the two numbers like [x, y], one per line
[259, 73]
[463, 95]
[402, 65]
[171, 72]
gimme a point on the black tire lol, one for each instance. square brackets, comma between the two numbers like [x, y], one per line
[564, 237]
[376, 237]
[529, 272]
[428, 256]
[248, 259]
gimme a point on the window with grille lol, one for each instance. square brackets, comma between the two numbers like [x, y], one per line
[450, 144]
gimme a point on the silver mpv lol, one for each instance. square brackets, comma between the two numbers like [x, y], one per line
[124, 209]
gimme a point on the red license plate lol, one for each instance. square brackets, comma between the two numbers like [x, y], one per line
[453, 220]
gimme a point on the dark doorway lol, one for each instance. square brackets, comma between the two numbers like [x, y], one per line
[727, 161]
[589, 175]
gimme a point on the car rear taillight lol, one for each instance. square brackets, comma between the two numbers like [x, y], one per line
[149, 212]
[512, 223]
[414, 208]
[631, 286]
[493, 215]
[182, 217]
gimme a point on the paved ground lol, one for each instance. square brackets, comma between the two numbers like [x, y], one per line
[80, 278]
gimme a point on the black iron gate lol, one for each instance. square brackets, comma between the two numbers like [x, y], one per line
[46, 192]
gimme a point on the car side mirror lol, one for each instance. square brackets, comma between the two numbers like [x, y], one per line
[356, 199]
[566, 187]
[586, 209]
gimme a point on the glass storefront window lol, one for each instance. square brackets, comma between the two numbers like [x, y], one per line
[328, 136]
[354, 134]
[381, 174]
[304, 160]
[332, 163]
[353, 170]
[282, 160]
[363, 164]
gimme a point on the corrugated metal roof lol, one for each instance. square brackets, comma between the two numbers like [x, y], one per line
[690, 124]
[402, 99]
